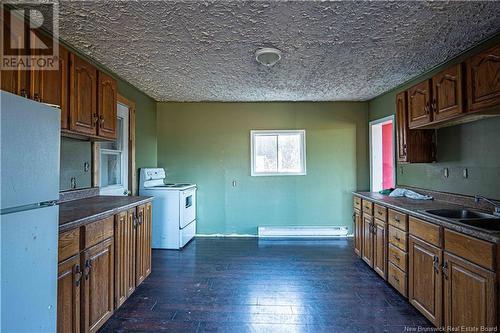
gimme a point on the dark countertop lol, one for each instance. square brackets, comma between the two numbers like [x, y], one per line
[415, 207]
[73, 214]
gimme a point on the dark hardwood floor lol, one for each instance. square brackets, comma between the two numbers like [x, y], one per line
[245, 285]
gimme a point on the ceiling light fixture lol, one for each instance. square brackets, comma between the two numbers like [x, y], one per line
[267, 56]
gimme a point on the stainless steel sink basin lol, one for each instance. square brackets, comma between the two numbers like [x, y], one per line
[461, 214]
[484, 221]
[490, 224]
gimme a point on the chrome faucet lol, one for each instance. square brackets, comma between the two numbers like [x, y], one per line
[496, 208]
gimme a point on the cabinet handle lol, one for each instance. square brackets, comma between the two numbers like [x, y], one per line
[36, 97]
[24, 93]
[427, 108]
[434, 106]
[436, 264]
[88, 265]
[101, 119]
[445, 270]
[397, 238]
[396, 219]
[354, 217]
[397, 258]
[96, 118]
[78, 275]
[395, 278]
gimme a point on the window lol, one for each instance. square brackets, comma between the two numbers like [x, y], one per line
[278, 152]
[113, 169]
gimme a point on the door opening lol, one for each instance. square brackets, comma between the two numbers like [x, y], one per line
[382, 161]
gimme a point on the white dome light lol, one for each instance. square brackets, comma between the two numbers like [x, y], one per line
[267, 56]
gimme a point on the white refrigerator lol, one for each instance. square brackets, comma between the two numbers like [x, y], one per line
[29, 216]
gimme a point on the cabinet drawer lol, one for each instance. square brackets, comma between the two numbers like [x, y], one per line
[475, 250]
[426, 231]
[98, 231]
[357, 203]
[368, 207]
[69, 244]
[380, 212]
[398, 220]
[397, 257]
[397, 278]
[398, 238]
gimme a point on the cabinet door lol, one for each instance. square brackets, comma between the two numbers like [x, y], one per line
[15, 81]
[419, 107]
[367, 251]
[358, 232]
[68, 295]
[51, 86]
[98, 285]
[143, 248]
[402, 125]
[107, 107]
[83, 96]
[124, 256]
[425, 281]
[380, 248]
[447, 94]
[483, 85]
[469, 294]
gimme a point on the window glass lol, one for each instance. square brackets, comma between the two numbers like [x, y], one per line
[278, 153]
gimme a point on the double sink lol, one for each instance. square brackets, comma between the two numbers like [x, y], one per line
[486, 222]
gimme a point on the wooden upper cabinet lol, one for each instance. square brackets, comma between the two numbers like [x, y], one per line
[83, 96]
[68, 295]
[14, 81]
[425, 281]
[107, 106]
[469, 294]
[98, 285]
[414, 146]
[447, 92]
[419, 104]
[483, 83]
[51, 86]
[402, 126]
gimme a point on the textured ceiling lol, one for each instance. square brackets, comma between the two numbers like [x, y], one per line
[204, 51]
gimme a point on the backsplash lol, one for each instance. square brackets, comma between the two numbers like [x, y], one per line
[471, 148]
[76, 170]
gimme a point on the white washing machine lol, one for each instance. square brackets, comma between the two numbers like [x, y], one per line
[174, 209]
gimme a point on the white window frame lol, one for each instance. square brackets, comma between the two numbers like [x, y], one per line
[254, 133]
[122, 188]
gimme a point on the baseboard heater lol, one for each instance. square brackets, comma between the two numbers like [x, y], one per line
[302, 232]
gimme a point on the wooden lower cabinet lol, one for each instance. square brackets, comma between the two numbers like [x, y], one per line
[98, 285]
[143, 243]
[68, 295]
[125, 235]
[358, 232]
[380, 248]
[367, 250]
[424, 278]
[469, 294]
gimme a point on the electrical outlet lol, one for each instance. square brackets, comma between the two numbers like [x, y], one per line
[465, 173]
[446, 172]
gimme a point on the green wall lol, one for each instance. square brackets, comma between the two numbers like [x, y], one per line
[473, 146]
[209, 144]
